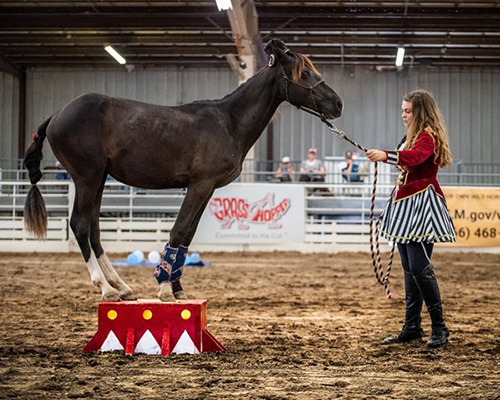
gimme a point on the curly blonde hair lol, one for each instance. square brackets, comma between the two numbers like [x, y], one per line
[427, 116]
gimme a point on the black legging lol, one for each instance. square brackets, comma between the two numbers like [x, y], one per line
[413, 256]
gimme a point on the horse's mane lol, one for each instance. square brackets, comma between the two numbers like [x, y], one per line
[300, 62]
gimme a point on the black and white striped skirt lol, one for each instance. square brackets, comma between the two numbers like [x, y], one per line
[423, 217]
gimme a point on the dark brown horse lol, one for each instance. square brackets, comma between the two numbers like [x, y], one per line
[200, 146]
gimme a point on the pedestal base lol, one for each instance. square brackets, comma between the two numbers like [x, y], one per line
[153, 327]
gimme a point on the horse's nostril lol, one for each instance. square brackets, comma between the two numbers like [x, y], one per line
[339, 104]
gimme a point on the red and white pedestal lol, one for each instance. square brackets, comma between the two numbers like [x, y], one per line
[153, 327]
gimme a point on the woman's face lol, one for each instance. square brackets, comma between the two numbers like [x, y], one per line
[407, 112]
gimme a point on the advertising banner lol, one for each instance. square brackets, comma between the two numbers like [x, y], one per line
[476, 215]
[254, 213]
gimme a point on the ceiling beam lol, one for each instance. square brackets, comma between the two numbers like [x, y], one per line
[329, 18]
[306, 48]
[52, 39]
[187, 32]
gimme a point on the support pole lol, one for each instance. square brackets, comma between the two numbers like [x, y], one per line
[245, 29]
[21, 135]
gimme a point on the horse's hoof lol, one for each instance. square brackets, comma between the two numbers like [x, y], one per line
[167, 297]
[129, 295]
[180, 295]
[165, 294]
[111, 296]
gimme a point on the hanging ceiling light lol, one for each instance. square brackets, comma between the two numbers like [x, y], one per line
[224, 5]
[400, 56]
[115, 55]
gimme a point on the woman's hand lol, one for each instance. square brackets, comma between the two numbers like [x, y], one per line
[376, 155]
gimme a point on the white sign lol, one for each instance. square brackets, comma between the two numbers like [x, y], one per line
[254, 213]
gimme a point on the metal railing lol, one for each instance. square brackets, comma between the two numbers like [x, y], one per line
[458, 174]
[336, 214]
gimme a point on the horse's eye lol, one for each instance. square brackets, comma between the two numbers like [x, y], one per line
[305, 74]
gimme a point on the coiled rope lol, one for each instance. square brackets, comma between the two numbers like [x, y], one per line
[378, 269]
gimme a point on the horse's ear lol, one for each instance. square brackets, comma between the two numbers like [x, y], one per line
[275, 49]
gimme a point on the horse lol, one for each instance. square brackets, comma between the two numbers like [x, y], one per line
[200, 146]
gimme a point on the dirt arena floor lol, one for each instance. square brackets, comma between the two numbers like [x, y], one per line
[295, 326]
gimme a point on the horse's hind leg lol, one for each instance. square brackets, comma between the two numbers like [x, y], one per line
[114, 279]
[109, 272]
[81, 217]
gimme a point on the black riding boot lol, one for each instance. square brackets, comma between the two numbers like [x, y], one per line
[411, 329]
[427, 283]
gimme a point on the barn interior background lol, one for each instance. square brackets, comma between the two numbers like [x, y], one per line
[181, 51]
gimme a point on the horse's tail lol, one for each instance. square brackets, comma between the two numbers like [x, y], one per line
[35, 213]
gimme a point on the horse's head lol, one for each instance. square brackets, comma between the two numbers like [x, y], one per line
[302, 84]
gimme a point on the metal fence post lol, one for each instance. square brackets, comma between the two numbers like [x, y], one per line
[459, 171]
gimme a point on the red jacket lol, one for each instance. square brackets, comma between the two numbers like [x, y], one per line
[417, 166]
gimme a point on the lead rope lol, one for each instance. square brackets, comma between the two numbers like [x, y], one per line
[378, 269]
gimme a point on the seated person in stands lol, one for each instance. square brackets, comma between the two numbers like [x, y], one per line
[61, 175]
[350, 169]
[285, 172]
[312, 169]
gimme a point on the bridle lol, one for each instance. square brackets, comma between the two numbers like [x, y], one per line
[310, 89]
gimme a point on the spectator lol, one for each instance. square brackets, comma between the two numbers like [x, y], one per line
[350, 169]
[312, 169]
[285, 172]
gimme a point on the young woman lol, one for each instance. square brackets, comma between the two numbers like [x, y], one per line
[416, 215]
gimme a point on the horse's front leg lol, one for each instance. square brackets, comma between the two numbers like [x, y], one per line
[169, 271]
[176, 285]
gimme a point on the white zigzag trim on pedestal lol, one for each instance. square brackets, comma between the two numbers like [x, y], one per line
[185, 345]
[111, 343]
[147, 344]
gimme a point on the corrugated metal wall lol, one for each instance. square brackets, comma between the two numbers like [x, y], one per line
[470, 101]
[9, 122]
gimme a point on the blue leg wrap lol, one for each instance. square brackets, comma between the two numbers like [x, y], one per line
[179, 264]
[163, 271]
